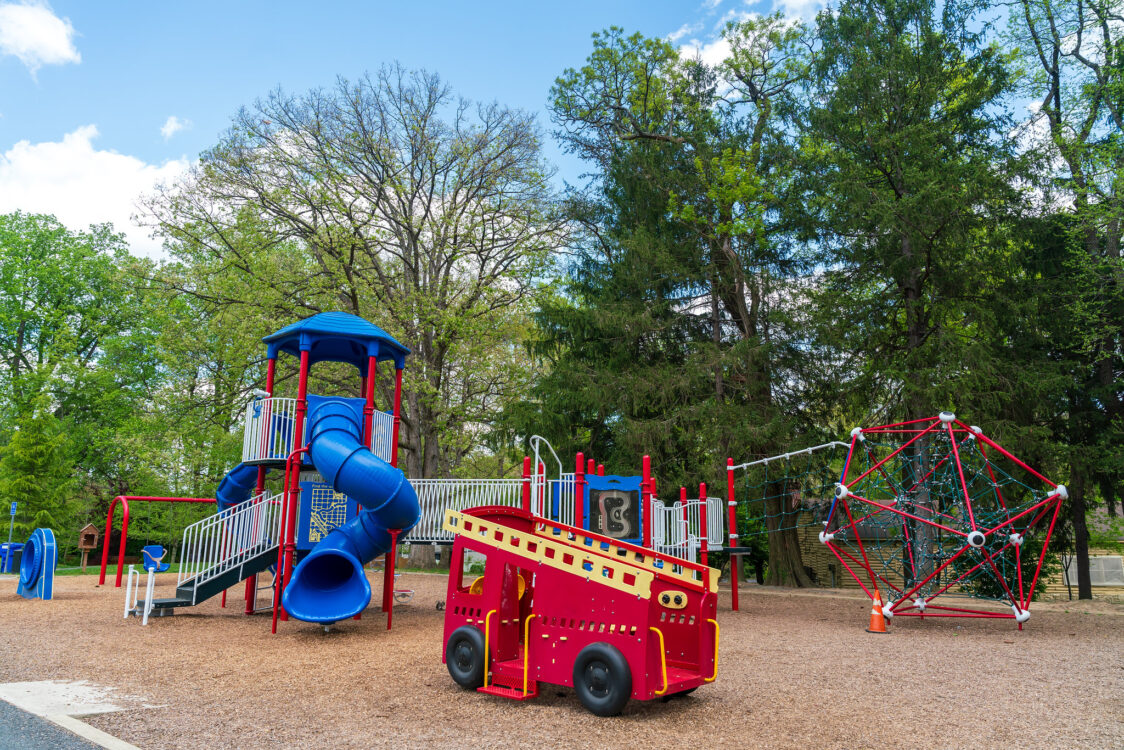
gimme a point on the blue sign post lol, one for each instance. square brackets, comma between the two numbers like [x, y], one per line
[11, 521]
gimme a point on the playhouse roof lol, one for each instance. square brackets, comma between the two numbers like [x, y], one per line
[337, 337]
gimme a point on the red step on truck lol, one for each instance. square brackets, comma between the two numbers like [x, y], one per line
[561, 605]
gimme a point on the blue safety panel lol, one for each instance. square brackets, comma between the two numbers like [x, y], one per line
[337, 337]
[613, 507]
[321, 511]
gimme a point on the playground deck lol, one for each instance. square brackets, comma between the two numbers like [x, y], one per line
[796, 669]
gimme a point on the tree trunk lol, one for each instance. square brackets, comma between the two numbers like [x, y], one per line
[786, 566]
[1080, 533]
[1108, 491]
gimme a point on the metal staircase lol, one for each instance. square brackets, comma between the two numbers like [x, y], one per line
[224, 549]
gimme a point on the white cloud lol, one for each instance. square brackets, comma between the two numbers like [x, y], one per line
[173, 125]
[712, 53]
[682, 31]
[82, 185]
[803, 9]
[31, 32]
[711, 4]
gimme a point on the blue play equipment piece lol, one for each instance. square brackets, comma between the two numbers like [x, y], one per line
[237, 486]
[329, 584]
[151, 557]
[37, 569]
[336, 337]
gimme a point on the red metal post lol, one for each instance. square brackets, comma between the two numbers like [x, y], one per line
[388, 578]
[369, 395]
[686, 526]
[527, 483]
[600, 470]
[252, 581]
[646, 500]
[292, 497]
[124, 502]
[579, 492]
[397, 416]
[732, 526]
[590, 467]
[702, 522]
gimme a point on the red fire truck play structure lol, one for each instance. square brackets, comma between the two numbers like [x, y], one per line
[561, 605]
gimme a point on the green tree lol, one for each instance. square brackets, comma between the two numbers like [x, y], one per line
[37, 472]
[909, 172]
[392, 199]
[1073, 64]
[679, 336]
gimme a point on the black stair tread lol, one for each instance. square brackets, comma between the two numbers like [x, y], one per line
[166, 603]
[228, 578]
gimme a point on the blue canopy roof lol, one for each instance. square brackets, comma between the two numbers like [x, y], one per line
[337, 337]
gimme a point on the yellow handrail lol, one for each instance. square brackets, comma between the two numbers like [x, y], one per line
[717, 634]
[487, 634]
[526, 648]
[663, 662]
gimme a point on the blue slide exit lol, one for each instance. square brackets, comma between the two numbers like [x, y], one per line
[329, 585]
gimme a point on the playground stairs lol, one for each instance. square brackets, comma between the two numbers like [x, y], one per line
[507, 681]
[202, 587]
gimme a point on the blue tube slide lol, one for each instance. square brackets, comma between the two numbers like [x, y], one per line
[237, 486]
[329, 584]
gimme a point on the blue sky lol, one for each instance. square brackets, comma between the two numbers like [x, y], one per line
[100, 99]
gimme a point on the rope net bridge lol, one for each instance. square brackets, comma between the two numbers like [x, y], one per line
[929, 517]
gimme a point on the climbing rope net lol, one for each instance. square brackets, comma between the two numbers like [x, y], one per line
[915, 511]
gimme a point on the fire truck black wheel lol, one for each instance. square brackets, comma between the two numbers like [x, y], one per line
[464, 657]
[602, 679]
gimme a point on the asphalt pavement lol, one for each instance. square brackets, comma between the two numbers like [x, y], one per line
[20, 730]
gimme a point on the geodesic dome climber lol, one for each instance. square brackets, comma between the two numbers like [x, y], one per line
[932, 508]
[929, 517]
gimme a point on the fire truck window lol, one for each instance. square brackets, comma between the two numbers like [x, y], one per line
[472, 568]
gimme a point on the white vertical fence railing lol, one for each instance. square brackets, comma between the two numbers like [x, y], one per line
[271, 422]
[438, 495]
[225, 540]
[382, 435]
[269, 429]
[672, 534]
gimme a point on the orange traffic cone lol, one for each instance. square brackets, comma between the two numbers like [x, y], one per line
[877, 619]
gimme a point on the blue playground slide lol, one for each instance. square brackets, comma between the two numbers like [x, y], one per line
[329, 584]
[236, 487]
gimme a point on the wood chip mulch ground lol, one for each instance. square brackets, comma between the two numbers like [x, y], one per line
[797, 670]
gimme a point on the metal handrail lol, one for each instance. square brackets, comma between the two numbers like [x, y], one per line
[435, 496]
[663, 660]
[217, 544]
[790, 454]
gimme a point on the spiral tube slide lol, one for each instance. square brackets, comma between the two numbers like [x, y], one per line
[330, 585]
[236, 487]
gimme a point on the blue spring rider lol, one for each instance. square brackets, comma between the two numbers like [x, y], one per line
[37, 569]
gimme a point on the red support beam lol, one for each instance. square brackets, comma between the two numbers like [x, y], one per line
[388, 578]
[579, 491]
[646, 500]
[527, 483]
[369, 396]
[397, 416]
[123, 500]
[703, 544]
[732, 529]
